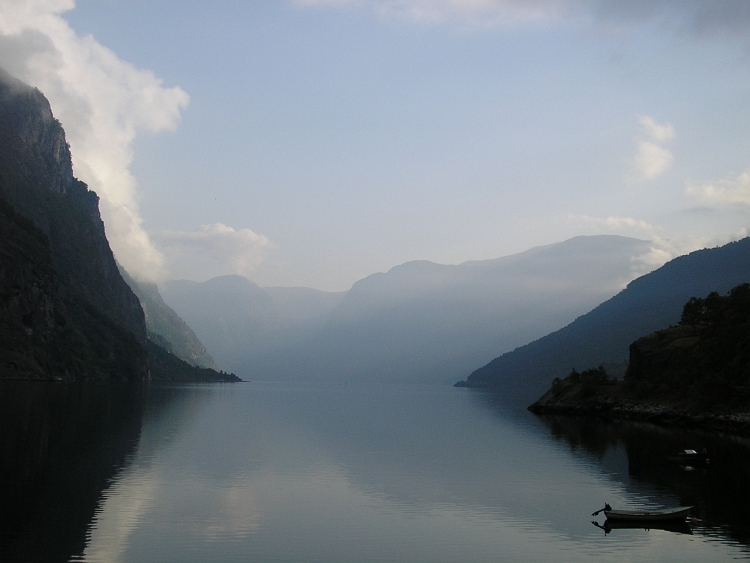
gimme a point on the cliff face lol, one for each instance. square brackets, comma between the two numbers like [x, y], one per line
[32, 137]
[66, 311]
[28, 297]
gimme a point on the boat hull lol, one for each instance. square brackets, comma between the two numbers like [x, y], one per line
[678, 513]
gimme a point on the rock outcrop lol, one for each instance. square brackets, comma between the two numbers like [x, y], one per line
[696, 373]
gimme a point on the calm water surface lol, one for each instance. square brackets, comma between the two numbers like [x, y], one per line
[327, 472]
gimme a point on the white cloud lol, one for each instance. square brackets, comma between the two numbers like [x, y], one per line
[698, 17]
[212, 250]
[657, 132]
[664, 250]
[493, 12]
[661, 250]
[651, 158]
[102, 102]
[613, 223]
[728, 191]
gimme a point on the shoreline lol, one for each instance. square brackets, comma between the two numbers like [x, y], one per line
[659, 414]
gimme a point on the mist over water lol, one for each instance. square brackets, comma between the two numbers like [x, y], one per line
[419, 322]
[358, 472]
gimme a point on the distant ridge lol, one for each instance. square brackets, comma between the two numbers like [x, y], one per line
[602, 336]
[239, 321]
[420, 321]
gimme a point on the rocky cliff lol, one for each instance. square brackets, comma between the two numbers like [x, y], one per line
[65, 311]
[29, 298]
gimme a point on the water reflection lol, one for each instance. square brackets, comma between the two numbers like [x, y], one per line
[66, 450]
[719, 490]
[292, 472]
[677, 527]
[60, 446]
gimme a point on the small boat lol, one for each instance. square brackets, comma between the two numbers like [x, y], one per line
[680, 512]
[690, 456]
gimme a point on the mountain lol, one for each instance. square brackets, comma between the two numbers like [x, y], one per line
[420, 321]
[603, 336]
[242, 323]
[696, 373]
[65, 311]
[165, 327]
[429, 322]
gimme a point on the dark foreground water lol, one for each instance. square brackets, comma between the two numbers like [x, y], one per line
[272, 472]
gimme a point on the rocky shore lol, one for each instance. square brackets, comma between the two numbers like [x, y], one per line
[612, 407]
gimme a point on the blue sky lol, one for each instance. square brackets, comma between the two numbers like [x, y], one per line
[316, 142]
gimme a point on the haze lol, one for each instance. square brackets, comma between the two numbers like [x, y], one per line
[313, 143]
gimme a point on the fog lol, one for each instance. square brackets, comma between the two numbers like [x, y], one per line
[420, 321]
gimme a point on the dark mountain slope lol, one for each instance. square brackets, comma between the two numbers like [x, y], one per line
[696, 373]
[166, 328]
[603, 336]
[80, 319]
[65, 310]
[705, 361]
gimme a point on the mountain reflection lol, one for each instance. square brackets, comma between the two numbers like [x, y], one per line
[282, 472]
[719, 490]
[61, 447]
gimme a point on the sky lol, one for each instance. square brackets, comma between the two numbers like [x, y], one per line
[315, 142]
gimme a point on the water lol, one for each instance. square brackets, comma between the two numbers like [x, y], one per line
[328, 472]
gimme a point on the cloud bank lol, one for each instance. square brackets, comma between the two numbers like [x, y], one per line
[698, 17]
[664, 250]
[661, 250]
[735, 191]
[102, 102]
[212, 250]
[610, 224]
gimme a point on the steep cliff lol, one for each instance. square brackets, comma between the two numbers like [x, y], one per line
[68, 314]
[29, 298]
[65, 311]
